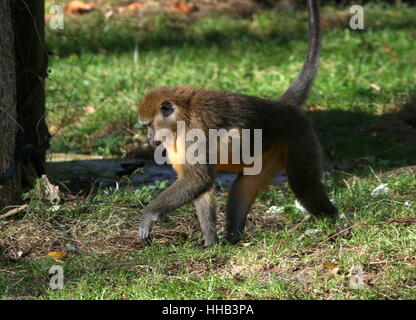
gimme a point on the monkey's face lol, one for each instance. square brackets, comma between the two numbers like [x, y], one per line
[157, 116]
[151, 133]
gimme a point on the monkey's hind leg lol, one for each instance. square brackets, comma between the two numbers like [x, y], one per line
[242, 194]
[206, 213]
[240, 198]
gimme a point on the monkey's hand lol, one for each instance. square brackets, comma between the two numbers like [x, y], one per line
[146, 224]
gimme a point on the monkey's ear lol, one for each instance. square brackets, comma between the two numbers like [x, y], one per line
[166, 108]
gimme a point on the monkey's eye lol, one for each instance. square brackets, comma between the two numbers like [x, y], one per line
[166, 108]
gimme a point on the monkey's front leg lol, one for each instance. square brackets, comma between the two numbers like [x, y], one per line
[146, 225]
[196, 180]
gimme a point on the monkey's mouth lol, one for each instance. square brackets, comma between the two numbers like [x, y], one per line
[155, 143]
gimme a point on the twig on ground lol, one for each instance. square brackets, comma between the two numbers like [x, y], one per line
[14, 211]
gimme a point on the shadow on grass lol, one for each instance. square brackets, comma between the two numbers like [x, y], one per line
[354, 142]
[127, 37]
[96, 34]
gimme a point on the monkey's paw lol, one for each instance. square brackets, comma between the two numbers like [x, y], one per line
[144, 236]
[145, 227]
[207, 244]
[230, 238]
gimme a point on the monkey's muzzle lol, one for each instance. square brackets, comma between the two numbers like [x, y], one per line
[154, 143]
[151, 136]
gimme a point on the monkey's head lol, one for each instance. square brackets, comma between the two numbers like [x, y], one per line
[161, 108]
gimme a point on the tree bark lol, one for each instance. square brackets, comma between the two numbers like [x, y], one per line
[9, 171]
[31, 71]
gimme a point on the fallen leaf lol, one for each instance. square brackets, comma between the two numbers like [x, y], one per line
[79, 7]
[182, 7]
[329, 265]
[89, 109]
[331, 268]
[57, 255]
[134, 6]
[314, 108]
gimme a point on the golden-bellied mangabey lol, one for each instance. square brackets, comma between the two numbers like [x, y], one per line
[288, 141]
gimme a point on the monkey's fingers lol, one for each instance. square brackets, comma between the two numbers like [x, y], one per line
[205, 245]
[144, 230]
[145, 237]
[148, 241]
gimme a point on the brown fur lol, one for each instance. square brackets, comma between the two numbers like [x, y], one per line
[288, 139]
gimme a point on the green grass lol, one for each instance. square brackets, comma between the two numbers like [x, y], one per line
[282, 256]
[110, 64]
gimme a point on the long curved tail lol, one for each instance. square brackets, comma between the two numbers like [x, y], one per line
[298, 91]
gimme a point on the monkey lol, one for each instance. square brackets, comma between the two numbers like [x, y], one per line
[289, 143]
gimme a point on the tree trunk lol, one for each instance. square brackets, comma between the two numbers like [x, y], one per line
[31, 71]
[24, 136]
[9, 170]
